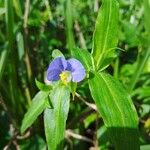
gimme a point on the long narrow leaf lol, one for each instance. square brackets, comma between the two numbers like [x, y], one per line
[55, 119]
[117, 110]
[105, 36]
[38, 104]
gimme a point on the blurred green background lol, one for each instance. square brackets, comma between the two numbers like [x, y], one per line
[31, 29]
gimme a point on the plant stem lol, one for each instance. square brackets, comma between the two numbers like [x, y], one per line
[27, 58]
[139, 68]
[69, 25]
[80, 35]
[116, 68]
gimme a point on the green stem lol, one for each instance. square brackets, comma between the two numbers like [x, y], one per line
[9, 28]
[27, 58]
[116, 68]
[69, 25]
[139, 68]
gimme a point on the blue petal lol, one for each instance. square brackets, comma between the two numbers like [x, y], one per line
[55, 68]
[53, 75]
[77, 70]
[59, 63]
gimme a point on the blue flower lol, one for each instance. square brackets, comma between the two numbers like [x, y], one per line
[65, 70]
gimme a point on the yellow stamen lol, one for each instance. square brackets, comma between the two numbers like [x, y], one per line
[64, 77]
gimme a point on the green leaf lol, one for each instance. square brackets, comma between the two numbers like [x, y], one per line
[38, 104]
[73, 87]
[117, 110]
[142, 92]
[84, 57]
[43, 87]
[55, 119]
[105, 34]
[88, 120]
[110, 55]
[102, 135]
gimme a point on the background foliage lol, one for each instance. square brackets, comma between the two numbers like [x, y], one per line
[31, 30]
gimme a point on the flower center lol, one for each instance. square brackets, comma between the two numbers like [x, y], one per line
[65, 77]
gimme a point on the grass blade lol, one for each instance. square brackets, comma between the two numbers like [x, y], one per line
[9, 28]
[69, 25]
[17, 6]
